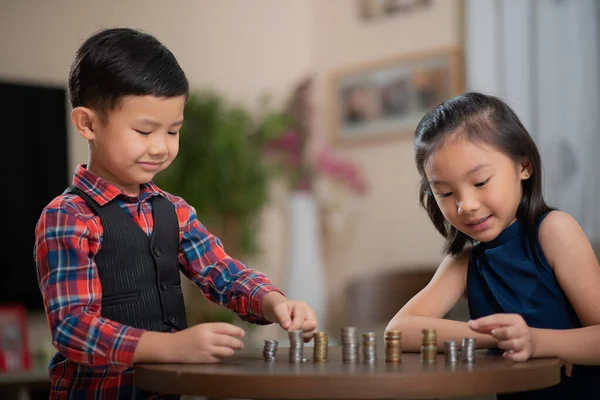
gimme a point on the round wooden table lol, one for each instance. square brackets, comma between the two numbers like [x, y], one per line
[248, 376]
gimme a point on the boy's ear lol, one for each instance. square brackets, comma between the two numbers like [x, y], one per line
[85, 121]
[525, 169]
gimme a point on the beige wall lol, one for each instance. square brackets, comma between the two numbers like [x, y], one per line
[393, 232]
[244, 49]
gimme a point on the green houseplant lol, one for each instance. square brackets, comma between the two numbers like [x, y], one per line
[221, 171]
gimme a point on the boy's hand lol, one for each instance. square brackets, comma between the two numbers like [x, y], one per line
[292, 315]
[512, 333]
[207, 343]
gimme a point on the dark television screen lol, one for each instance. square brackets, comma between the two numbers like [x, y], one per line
[35, 170]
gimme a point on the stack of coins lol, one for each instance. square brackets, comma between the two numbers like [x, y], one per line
[451, 351]
[270, 350]
[393, 346]
[349, 344]
[321, 346]
[468, 350]
[296, 346]
[429, 346]
[369, 347]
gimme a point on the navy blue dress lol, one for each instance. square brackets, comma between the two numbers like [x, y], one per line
[510, 274]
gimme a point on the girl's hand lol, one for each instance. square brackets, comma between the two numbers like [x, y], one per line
[568, 369]
[512, 333]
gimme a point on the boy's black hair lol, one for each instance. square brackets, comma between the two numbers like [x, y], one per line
[483, 119]
[118, 62]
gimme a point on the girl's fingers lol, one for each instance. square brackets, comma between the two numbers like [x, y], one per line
[514, 345]
[520, 356]
[505, 333]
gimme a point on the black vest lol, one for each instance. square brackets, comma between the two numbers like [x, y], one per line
[141, 285]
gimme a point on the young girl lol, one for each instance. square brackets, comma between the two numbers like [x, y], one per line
[529, 272]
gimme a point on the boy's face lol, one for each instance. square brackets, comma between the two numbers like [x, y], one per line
[137, 141]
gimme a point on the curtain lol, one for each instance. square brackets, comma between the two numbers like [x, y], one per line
[542, 57]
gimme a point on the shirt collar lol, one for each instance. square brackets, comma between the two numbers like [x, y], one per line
[102, 191]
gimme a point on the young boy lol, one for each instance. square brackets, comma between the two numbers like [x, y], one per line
[109, 250]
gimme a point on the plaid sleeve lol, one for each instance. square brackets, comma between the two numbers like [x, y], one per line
[222, 279]
[70, 286]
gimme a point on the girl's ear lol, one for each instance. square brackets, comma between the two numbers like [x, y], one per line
[525, 169]
[85, 121]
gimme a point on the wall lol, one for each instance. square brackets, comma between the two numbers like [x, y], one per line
[245, 49]
[241, 48]
[392, 231]
[542, 58]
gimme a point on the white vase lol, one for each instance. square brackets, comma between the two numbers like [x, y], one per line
[306, 273]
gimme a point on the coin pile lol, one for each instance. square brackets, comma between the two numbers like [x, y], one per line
[369, 347]
[393, 346]
[468, 350]
[349, 344]
[321, 343]
[270, 350]
[451, 351]
[429, 346]
[296, 346]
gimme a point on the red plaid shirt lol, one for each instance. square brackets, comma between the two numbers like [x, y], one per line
[95, 355]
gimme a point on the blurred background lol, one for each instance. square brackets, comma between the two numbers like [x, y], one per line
[317, 102]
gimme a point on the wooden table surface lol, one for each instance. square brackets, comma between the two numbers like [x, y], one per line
[249, 376]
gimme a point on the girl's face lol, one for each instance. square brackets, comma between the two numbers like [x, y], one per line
[477, 187]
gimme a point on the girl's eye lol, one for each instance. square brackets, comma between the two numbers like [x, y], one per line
[173, 133]
[444, 195]
[479, 184]
[142, 132]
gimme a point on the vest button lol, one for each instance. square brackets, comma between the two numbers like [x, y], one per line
[156, 251]
[163, 285]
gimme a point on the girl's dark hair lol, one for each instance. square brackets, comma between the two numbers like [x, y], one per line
[118, 62]
[483, 119]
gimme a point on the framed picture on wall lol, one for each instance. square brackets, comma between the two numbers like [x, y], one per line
[376, 9]
[388, 98]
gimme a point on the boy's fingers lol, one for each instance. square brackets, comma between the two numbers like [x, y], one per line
[311, 316]
[309, 325]
[307, 336]
[227, 329]
[283, 316]
[298, 319]
[228, 341]
[221, 352]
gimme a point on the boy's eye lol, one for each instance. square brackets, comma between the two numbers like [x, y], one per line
[479, 184]
[147, 133]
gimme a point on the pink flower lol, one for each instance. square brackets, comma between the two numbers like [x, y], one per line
[292, 155]
[288, 141]
[342, 171]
